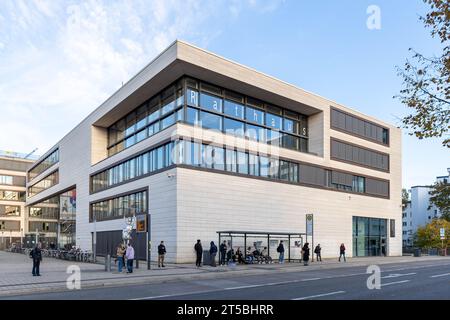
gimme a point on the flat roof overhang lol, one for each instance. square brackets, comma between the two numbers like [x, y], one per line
[173, 66]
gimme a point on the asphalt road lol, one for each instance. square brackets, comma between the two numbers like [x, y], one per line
[418, 280]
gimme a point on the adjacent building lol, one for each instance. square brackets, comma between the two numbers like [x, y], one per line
[13, 167]
[195, 144]
[418, 211]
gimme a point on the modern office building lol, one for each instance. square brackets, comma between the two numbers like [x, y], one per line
[418, 211]
[200, 144]
[13, 167]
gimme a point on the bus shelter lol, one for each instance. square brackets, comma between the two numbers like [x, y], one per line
[292, 240]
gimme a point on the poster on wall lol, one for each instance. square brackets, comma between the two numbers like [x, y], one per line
[68, 204]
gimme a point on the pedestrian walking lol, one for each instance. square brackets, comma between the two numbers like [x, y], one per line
[318, 252]
[342, 252]
[120, 256]
[223, 252]
[161, 254]
[130, 257]
[36, 255]
[305, 251]
[280, 250]
[199, 251]
[212, 253]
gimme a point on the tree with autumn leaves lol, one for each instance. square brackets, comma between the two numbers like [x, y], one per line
[429, 236]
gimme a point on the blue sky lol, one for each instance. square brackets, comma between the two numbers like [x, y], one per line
[60, 59]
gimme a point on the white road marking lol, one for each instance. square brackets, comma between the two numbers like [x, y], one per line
[312, 279]
[396, 275]
[396, 282]
[320, 295]
[440, 275]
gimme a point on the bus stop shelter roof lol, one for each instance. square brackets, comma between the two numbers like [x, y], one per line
[273, 233]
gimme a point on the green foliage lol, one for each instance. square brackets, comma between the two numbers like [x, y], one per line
[405, 197]
[429, 237]
[440, 197]
[426, 81]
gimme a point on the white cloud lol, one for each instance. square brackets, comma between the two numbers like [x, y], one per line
[61, 61]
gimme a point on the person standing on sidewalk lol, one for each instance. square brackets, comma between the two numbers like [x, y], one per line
[318, 252]
[161, 254]
[223, 252]
[280, 250]
[36, 255]
[199, 252]
[305, 251]
[120, 258]
[130, 257]
[212, 253]
[342, 252]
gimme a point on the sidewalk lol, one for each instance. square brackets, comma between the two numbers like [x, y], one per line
[16, 275]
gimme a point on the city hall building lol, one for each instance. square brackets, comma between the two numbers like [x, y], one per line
[195, 144]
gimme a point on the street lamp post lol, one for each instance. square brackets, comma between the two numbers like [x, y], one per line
[95, 238]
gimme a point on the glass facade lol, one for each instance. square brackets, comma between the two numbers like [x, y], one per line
[120, 207]
[9, 211]
[43, 165]
[48, 182]
[190, 153]
[369, 237]
[56, 215]
[12, 195]
[210, 107]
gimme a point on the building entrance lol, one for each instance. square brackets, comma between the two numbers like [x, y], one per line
[369, 237]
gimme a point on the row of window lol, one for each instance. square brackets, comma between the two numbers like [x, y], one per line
[214, 157]
[43, 165]
[229, 112]
[124, 206]
[12, 195]
[9, 211]
[360, 156]
[48, 182]
[242, 129]
[44, 212]
[362, 128]
[12, 180]
[9, 225]
[40, 226]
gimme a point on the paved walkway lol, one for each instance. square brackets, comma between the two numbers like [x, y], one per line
[16, 277]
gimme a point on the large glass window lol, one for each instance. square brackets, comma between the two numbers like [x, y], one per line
[210, 121]
[120, 207]
[210, 102]
[369, 236]
[234, 109]
[229, 112]
[49, 181]
[254, 115]
[43, 165]
[6, 180]
[233, 127]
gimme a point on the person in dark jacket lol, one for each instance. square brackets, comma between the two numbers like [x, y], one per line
[161, 254]
[223, 252]
[305, 251]
[342, 252]
[280, 250]
[212, 253]
[36, 255]
[318, 253]
[199, 251]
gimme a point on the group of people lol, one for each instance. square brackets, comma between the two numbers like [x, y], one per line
[125, 254]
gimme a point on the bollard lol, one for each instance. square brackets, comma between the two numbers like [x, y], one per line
[137, 263]
[108, 263]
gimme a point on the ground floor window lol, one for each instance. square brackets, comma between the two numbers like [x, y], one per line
[369, 236]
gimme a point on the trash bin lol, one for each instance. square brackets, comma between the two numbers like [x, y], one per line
[206, 258]
[417, 252]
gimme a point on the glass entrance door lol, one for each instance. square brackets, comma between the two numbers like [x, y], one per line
[369, 236]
